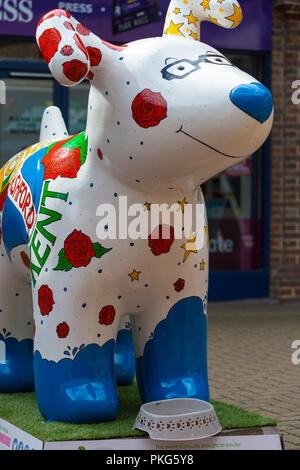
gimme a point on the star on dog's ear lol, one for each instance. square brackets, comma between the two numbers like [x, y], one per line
[184, 18]
[71, 51]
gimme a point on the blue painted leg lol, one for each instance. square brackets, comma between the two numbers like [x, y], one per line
[124, 358]
[78, 390]
[16, 364]
[16, 332]
[174, 363]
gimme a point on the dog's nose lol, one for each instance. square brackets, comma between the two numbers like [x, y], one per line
[254, 99]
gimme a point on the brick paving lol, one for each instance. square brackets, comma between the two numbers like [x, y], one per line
[249, 360]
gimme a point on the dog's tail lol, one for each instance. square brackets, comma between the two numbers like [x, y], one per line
[53, 126]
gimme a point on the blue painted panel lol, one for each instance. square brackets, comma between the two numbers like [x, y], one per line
[14, 232]
[33, 173]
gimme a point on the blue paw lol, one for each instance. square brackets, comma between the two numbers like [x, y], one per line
[16, 365]
[174, 364]
[79, 390]
[124, 358]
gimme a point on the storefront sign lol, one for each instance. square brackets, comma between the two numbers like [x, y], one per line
[124, 21]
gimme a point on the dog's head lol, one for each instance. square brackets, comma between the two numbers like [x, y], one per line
[167, 109]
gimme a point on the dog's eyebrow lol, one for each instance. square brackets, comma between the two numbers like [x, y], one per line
[216, 54]
[170, 58]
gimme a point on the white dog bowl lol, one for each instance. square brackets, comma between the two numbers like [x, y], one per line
[178, 419]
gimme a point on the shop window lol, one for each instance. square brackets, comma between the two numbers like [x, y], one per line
[20, 116]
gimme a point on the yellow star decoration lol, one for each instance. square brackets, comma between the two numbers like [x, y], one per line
[182, 203]
[236, 18]
[185, 2]
[213, 20]
[194, 35]
[205, 4]
[202, 265]
[147, 206]
[173, 29]
[221, 10]
[191, 18]
[189, 247]
[207, 235]
[134, 275]
[187, 30]
[176, 11]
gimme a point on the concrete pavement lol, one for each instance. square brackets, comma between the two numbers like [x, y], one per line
[250, 360]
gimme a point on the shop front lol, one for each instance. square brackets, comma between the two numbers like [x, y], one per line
[237, 200]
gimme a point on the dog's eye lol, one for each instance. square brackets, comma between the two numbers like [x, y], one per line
[180, 69]
[217, 60]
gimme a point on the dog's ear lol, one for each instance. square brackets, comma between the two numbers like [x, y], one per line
[184, 18]
[70, 50]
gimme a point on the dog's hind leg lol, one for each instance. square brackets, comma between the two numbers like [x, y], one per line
[16, 330]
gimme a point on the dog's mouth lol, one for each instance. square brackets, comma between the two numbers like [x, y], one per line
[207, 145]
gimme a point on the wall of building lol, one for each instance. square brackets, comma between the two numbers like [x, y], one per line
[285, 154]
[19, 49]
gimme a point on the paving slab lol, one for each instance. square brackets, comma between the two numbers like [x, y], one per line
[250, 360]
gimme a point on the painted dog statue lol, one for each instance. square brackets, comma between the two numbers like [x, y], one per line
[164, 115]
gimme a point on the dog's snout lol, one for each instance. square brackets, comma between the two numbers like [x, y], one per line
[254, 99]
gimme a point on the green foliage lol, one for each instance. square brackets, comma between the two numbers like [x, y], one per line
[63, 263]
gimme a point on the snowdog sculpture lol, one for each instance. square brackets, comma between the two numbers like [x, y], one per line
[164, 115]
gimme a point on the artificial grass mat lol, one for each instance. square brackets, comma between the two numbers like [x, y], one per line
[21, 410]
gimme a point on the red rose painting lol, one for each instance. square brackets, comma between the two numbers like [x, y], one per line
[179, 285]
[82, 30]
[149, 108]
[95, 56]
[67, 50]
[49, 42]
[64, 162]
[90, 75]
[69, 25]
[161, 239]
[45, 300]
[107, 315]
[62, 330]
[79, 249]
[75, 70]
